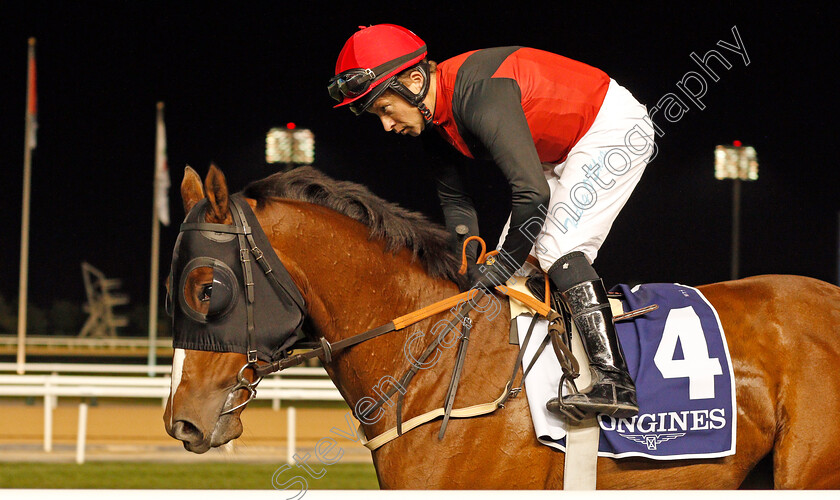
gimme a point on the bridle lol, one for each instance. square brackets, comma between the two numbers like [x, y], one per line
[249, 252]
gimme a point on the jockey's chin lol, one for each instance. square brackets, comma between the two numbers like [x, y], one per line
[416, 130]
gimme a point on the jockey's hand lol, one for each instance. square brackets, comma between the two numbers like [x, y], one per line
[489, 274]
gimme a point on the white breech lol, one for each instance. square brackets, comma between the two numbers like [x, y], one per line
[591, 186]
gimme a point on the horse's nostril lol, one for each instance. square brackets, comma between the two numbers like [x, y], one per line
[186, 431]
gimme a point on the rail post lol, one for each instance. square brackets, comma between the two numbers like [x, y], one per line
[290, 434]
[48, 414]
[81, 433]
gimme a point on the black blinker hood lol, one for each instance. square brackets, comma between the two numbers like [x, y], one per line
[254, 306]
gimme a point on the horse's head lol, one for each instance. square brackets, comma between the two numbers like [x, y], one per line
[228, 312]
[359, 261]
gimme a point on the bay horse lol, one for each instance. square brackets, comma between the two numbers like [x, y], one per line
[360, 261]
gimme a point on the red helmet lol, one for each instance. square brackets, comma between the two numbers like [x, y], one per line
[369, 64]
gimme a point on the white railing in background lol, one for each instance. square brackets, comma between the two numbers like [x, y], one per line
[50, 341]
[59, 368]
[289, 385]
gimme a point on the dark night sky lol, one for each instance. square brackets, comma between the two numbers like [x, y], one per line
[228, 74]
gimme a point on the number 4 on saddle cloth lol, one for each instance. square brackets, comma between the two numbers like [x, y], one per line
[678, 358]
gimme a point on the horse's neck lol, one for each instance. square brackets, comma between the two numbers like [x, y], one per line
[352, 285]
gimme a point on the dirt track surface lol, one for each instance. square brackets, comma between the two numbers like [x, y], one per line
[136, 432]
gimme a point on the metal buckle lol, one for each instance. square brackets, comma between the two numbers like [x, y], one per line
[327, 356]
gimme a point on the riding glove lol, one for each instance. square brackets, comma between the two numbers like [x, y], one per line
[489, 275]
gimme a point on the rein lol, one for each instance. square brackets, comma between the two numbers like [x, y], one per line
[325, 350]
[248, 248]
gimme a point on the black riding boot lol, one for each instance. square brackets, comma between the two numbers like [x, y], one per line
[611, 391]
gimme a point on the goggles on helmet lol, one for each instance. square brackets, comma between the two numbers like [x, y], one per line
[356, 82]
[351, 83]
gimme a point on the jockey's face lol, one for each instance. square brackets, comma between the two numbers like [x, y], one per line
[397, 115]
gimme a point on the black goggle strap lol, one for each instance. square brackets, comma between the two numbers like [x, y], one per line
[411, 97]
[366, 75]
[359, 107]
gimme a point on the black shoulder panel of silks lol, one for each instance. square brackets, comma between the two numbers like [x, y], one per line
[482, 64]
[491, 119]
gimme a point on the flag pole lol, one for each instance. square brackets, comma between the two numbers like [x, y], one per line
[155, 267]
[24, 224]
[153, 294]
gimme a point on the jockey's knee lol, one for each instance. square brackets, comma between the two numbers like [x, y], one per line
[570, 270]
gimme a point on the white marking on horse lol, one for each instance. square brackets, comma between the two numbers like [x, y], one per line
[177, 368]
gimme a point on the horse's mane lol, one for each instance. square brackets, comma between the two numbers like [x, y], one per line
[398, 227]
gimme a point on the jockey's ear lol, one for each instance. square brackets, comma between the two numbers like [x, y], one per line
[191, 190]
[217, 194]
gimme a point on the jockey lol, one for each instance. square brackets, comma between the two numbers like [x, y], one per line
[571, 142]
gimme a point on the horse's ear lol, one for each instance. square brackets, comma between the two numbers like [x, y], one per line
[217, 194]
[191, 190]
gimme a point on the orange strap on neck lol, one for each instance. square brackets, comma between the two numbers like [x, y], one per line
[541, 307]
[431, 310]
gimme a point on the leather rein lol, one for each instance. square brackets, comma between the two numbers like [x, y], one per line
[325, 350]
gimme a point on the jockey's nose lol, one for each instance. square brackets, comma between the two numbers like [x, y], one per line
[388, 123]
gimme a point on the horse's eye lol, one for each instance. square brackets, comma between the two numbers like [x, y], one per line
[206, 293]
[210, 291]
[223, 294]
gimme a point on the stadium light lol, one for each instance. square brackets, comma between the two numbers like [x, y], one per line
[736, 162]
[290, 146]
[739, 163]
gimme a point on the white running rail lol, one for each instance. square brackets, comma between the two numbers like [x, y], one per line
[288, 386]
